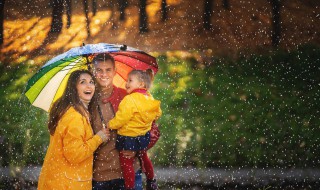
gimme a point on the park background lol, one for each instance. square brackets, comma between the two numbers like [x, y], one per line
[238, 80]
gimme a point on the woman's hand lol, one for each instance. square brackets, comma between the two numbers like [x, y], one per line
[104, 134]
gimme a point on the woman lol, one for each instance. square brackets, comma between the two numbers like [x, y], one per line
[69, 158]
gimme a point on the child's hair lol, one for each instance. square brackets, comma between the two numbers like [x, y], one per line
[144, 76]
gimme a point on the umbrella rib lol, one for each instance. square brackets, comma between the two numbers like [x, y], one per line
[71, 67]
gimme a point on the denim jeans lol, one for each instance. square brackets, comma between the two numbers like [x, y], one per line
[117, 184]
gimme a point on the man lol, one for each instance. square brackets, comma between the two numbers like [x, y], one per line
[107, 173]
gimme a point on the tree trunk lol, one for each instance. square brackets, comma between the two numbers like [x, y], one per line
[276, 27]
[207, 14]
[122, 7]
[94, 7]
[164, 10]
[226, 4]
[69, 9]
[57, 12]
[86, 13]
[1, 20]
[143, 20]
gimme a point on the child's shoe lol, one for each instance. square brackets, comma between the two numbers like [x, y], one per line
[152, 184]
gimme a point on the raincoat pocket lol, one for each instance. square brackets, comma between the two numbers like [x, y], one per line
[77, 177]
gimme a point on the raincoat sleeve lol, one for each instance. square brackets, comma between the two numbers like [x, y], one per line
[124, 113]
[76, 148]
[159, 113]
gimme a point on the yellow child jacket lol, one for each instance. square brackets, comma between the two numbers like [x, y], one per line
[135, 115]
[69, 159]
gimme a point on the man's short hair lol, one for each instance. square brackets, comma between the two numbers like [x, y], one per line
[102, 57]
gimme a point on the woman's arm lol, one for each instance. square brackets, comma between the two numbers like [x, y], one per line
[75, 147]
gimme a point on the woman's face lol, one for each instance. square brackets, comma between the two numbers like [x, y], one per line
[85, 88]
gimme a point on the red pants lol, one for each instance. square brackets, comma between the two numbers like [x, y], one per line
[128, 170]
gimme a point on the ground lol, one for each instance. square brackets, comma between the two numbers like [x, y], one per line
[244, 28]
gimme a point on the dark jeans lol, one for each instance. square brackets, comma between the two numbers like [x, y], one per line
[117, 184]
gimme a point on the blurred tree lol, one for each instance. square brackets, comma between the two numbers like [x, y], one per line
[226, 4]
[143, 21]
[57, 12]
[86, 13]
[276, 27]
[207, 14]
[164, 10]
[94, 7]
[1, 20]
[122, 6]
[113, 17]
[69, 9]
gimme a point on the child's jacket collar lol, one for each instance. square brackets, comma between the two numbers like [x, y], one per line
[140, 90]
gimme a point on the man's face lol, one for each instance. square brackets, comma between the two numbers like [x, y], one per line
[104, 73]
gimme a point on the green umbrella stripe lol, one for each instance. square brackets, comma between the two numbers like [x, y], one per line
[48, 93]
[65, 78]
[44, 78]
[34, 91]
[44, 70]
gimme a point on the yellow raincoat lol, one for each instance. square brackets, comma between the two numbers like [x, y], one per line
[135, 115]
[69, 159]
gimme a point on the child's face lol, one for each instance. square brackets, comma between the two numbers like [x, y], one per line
[133, 83]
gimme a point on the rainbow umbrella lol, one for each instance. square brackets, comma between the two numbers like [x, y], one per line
[48, 84]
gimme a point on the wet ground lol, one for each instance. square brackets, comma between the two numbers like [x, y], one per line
[16, 184]
[196, 179]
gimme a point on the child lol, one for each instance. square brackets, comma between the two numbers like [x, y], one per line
[133, 121]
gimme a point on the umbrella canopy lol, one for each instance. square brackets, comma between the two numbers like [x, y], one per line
[48, 84]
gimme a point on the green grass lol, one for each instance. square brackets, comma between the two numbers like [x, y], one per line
[23, 127]
[261, 111]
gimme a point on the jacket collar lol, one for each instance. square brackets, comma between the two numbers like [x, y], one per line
[140, 90]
